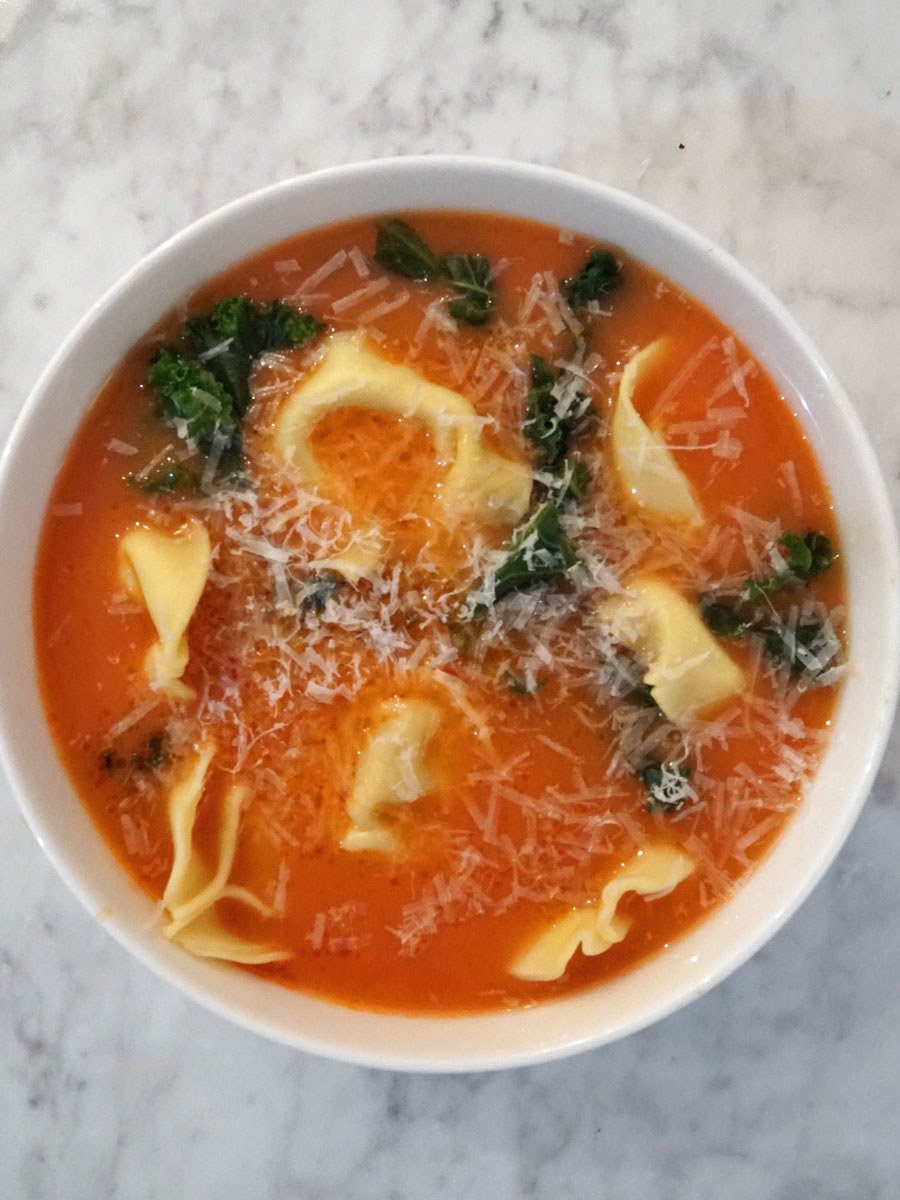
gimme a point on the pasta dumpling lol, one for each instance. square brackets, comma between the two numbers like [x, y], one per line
[391, 770]
[193, 887]
[359, 557]
[480, 483]
[595, 927]
[687, 670]
[645, 466]
[170, 572]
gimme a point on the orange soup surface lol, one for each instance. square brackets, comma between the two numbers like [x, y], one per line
[433, 739]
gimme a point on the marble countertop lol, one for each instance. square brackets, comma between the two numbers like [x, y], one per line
[772, 127]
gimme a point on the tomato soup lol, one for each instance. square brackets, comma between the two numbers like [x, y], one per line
[430, 641]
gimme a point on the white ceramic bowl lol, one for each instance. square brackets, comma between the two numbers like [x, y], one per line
[868, 541]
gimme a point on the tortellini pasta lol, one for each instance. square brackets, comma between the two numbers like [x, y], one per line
[652, 872]
[645, 466]
[687, 670]
[391, 770]
[170, 571]
[359, 557]
[193, 888]
[480, 483]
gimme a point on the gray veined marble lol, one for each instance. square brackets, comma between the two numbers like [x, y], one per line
[772, 127]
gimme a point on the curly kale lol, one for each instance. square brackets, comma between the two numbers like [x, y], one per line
[187, 392]
[596, 279]
[237, 330]
[555, 407]
[202, 387]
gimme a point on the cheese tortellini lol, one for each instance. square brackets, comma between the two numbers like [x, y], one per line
[391, 770]
[595, 927]
[480, 483]
[687, 670]
[170, 572]
[193, 887]
[359, 557]
[645, 466]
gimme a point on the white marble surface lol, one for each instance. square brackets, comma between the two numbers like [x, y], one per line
[119, 122]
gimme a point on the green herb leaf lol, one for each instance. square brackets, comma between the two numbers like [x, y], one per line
[788, 648]
[237, 331]
[667, 786]
[554, 409]
[319, 592]
[521, 687]
[570, 482]
[807, 556]
[188, 391]
[207, 386]
[596, 279]
[471, 274]
[149, 758]
[400, 249]
[779, 641]
[723, 619]
[541, 426]
[641, 697]
[170, 479]
[799, 554]
[538, 552]
[153, 756]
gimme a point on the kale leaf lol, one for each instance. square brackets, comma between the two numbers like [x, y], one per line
[149, 757]
[538, 552]
[400, 249]
[169, 479]
[641, 697]
[237, 331]
[153, 756]
[793, 647]
[596, 279]
[203, 386]
[724, 620]
[187, 391]
[569, 482]
[667, 786]
[807, 556]
[554, 408]
[521, 687]
[471, 275]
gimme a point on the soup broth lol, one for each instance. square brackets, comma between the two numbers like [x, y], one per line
[432, 758]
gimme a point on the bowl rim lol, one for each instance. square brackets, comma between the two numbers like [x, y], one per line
[502, 1039]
